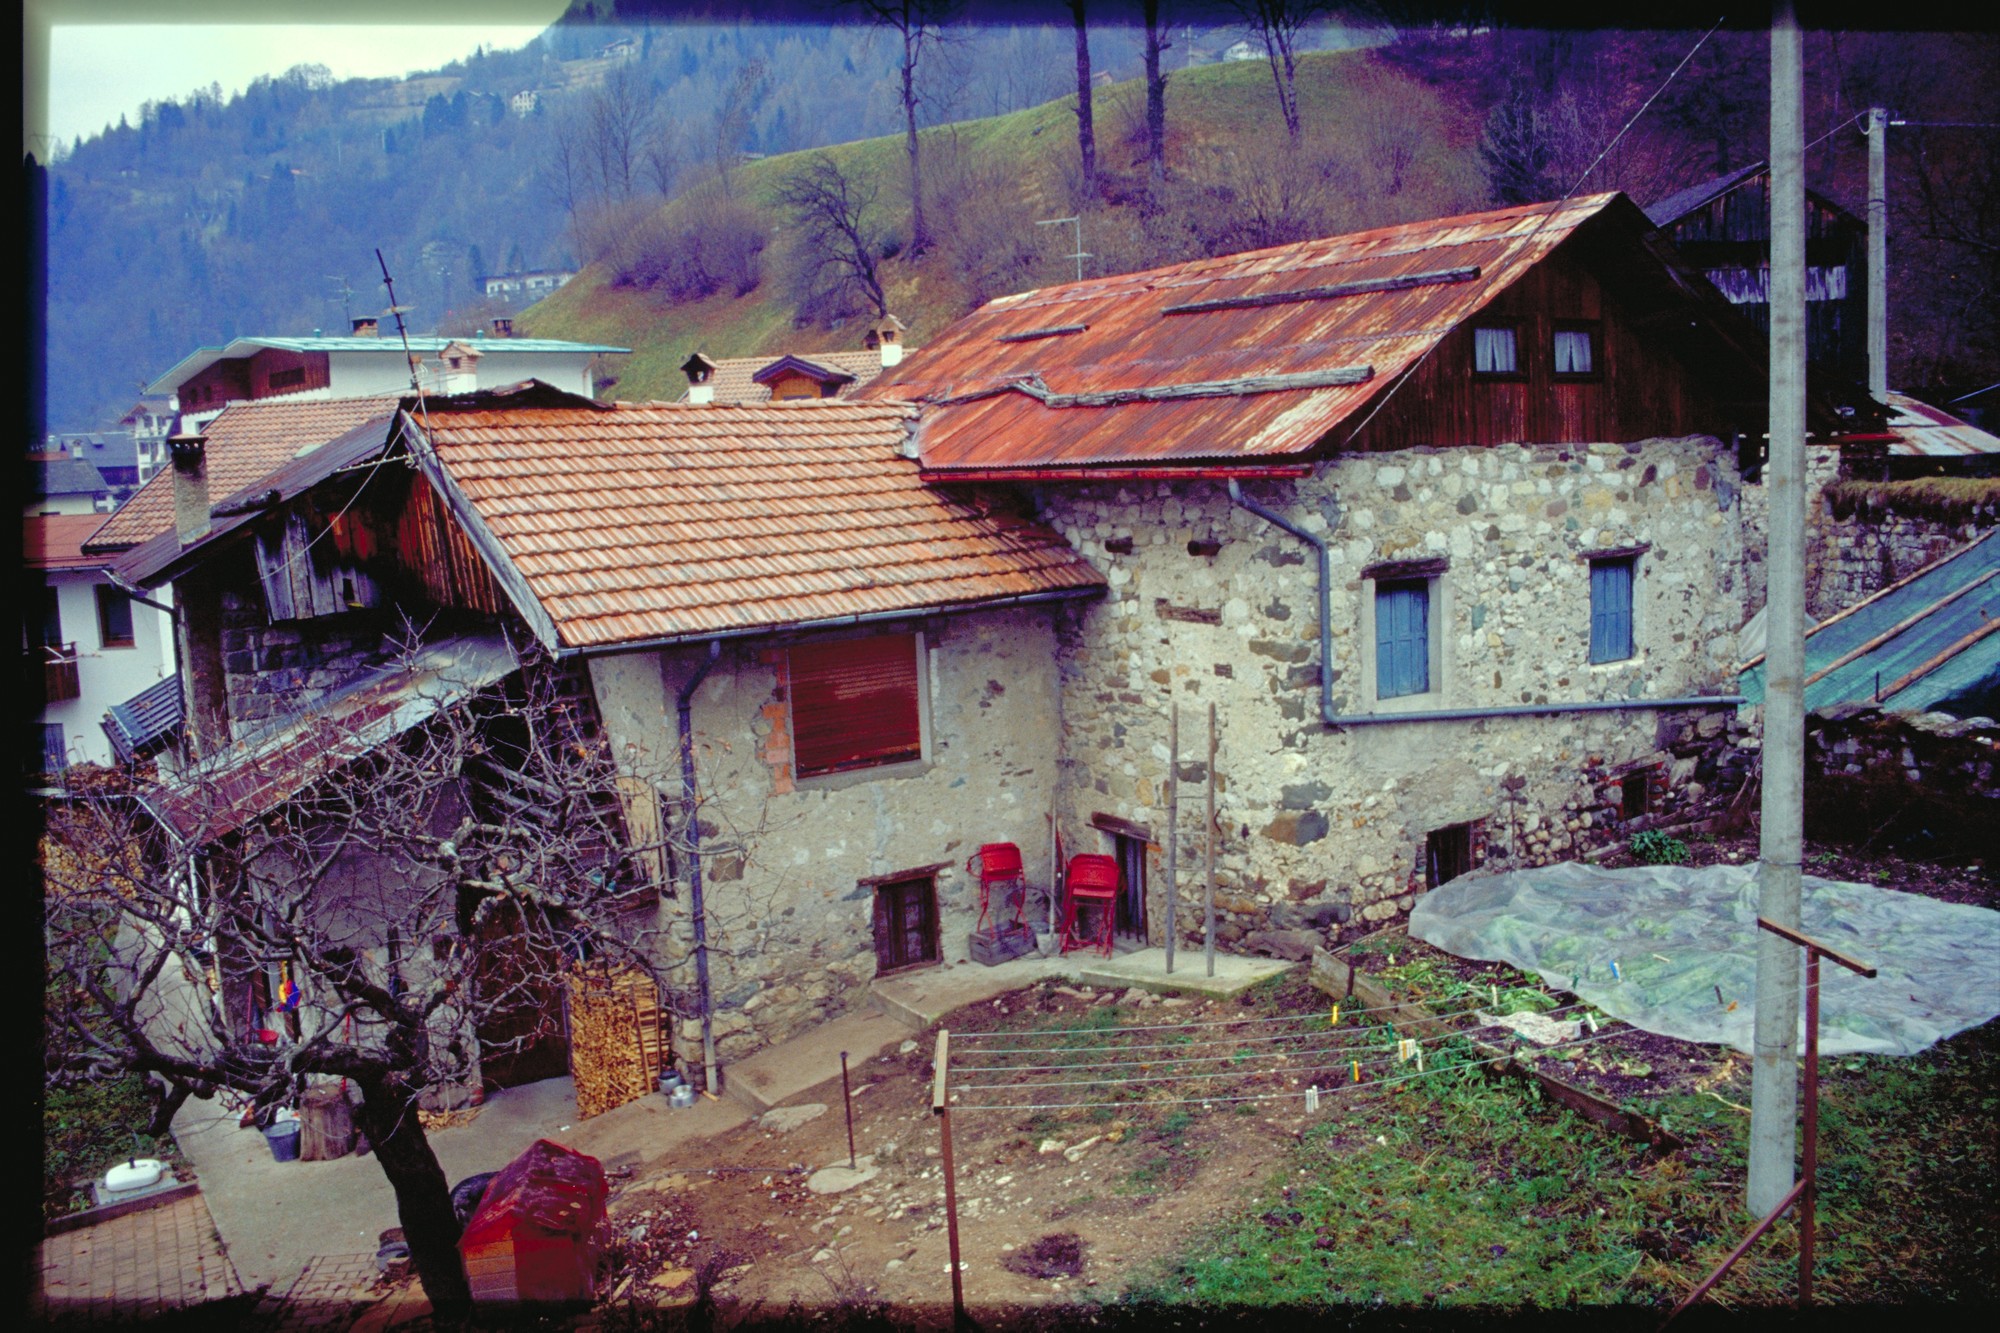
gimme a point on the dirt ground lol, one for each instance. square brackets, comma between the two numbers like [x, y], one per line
[1057, 1207]
[1040, 1225]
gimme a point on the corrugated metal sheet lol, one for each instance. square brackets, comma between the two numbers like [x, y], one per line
[145, 719]
[260, 772]
[640, 522]
[246, 443]
[1128, 342]
[1923, 431]
[1926, 639]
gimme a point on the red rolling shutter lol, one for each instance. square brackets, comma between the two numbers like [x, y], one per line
[854, 704]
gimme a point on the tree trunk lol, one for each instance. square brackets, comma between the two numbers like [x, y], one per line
[1086, 126]
[1156, 94]
[388, 1116]
[1288, 92]
[919, 235]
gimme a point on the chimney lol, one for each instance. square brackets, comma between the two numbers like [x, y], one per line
[886, 336]
[503, 327]
[699, 370]
[190, 453]
[365, 326]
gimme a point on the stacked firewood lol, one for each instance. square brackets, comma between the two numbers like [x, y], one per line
[617, 1043]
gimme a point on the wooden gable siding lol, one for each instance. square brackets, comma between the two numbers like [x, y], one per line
[222, 382]
[1637, 392]
[787, 387]
[437, 555]
[274, 371]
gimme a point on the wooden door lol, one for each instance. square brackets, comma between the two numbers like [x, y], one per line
[906, 932]
[522, 1035]
[1131, 902]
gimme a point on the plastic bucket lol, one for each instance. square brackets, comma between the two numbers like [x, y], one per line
[284, 1140]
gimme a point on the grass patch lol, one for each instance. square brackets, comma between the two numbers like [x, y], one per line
[1458, 1190]
[88, 1127]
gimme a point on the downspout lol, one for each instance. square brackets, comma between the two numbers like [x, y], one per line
[1334, 719]
[683, 706]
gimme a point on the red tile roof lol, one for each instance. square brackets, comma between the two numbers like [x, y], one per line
[246, 443]
[735, 379]
[1252, 372]
[632, 523]
[55, 541]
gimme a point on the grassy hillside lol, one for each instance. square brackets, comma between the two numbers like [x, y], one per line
[1380, 148]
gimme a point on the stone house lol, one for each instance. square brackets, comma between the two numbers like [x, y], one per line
[1443, 521]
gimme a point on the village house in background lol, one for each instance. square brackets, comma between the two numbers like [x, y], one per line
[89, 645]
[367, 362]
[764, 379]
[524, 287]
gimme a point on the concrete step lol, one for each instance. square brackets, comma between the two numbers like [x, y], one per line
[777, 1074]
[920, 999]
[1147, 969]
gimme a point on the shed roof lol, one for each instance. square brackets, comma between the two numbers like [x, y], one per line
[246, 443]
[1920, 644]
[1918, 430]
[1246, 358]
[655, 522]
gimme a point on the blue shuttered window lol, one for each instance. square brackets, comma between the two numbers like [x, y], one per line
[1611, 609]
[1402, 638]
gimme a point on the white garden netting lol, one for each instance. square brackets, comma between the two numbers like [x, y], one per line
[1673, 950]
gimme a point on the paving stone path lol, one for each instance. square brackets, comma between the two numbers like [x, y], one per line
[131, 1268]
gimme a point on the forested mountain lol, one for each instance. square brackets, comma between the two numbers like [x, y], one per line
[653, 153]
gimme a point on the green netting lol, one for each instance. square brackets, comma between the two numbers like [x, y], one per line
[1673, 950]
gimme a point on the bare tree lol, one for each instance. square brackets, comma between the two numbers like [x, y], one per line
[410, 891]
[1086, 127]
[1277, 24]
[1156, 91]
[837, 244]
[919, 26]
[617, 123]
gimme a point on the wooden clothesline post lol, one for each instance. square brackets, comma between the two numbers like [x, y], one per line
[941, 1108]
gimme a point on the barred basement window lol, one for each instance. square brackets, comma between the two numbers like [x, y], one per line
[1447, 854]
[856, 704]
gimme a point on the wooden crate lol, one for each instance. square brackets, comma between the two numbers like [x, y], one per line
[617, 1040]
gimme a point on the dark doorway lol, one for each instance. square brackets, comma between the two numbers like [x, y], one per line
[1131, 914]
[906, 932]
[522, 1036]
[1447, 854]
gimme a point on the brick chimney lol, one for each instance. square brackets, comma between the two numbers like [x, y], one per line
[700, 371]
[366, 326]
[503, 327]
[190, 453]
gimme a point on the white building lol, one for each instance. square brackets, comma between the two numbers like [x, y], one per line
[90, 646]
[364, 364]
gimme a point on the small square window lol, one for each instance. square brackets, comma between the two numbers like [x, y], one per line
[1576, 352]
[1494, 351]
[114, 618]
[1611, 608]
[1402, 637]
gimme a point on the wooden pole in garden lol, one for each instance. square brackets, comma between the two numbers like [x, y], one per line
[1208, 854]
[941, 1108]
[1173, 830]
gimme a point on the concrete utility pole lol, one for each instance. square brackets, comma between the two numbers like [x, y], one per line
[1878, 254]
[1774, 1070]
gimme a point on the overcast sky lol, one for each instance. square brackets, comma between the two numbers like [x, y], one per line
[106, 58]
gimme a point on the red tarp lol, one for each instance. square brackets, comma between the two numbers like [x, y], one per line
[537, 1235]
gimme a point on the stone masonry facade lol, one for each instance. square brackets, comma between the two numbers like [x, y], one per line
[792, 866]
[1317, 827]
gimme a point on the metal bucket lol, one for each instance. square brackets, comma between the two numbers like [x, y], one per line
[682, 1097]
[671, 1079]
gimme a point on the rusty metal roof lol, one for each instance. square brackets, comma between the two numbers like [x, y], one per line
[246, 443]
[1247, 357]
[639, 523]
[1919, 430]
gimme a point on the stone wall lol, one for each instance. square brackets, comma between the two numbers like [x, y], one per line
[1212, 605]
[1926, 783]
[787, 863]
[1853, 558]
[272, 671]
[1822, 468]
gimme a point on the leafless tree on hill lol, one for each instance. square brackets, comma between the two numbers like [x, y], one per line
[1277, 24]
[1156, 91]
[837, 244]
[919, 26]
[1086, 126]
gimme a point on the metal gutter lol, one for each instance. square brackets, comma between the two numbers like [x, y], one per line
[1249, 472]
[683, 709]
[830, 622]
[1334, 719]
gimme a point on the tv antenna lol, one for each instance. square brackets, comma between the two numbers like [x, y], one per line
[346, 295]
[1076, 225]
[416, 380]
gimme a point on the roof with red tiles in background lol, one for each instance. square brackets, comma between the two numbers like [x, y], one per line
[637, 523]
[55, 541]
[1246, 358]
[246, 443]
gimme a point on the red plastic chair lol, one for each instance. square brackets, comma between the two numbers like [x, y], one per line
[1092, 883]
[999, 863]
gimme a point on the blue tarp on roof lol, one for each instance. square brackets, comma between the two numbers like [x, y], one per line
[1929, 642]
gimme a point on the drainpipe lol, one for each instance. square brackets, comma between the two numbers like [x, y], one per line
[683, 706]
[1334, 719]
